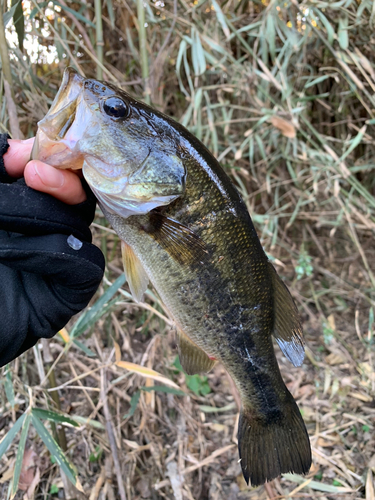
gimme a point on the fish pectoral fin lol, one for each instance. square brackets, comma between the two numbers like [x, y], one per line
[287, 327]
[134, 272]
[179, 241]
[192, 358]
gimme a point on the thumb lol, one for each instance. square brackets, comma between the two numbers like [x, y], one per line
[62, 184]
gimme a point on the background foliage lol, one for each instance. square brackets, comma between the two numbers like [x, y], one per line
[283, 93]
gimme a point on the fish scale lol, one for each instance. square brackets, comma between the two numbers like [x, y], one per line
[185, 228]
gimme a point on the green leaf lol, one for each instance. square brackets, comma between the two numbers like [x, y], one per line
[271, 35]
[364, 4]
[88, 421]
[35, 10]
[197, 54]
[213, 409]
[343, 32]
[181, 50]
[8, 438]
[8, 386]
[133, 404]
[111, 13]
[327, 25]
[53, 416]
[55, 450]
[54, 490]
[19, 22]
[198, 384]
[221, 18]
[57, 43]
[315, 485]
[75, 13]
[20, 454]
[317, 80]
[89, 317]
[353, 144]
[95, 457]
[85, 349]
[370, 319]
[304, 267]
[177, 364]
[8, 15]
[162, 388]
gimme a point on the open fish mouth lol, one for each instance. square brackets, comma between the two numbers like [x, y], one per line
[53, 141]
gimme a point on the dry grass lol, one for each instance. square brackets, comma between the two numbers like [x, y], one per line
[283, 93]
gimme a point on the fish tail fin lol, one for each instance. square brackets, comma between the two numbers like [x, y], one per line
[273, 446]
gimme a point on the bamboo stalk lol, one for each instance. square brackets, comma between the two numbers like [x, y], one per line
[99, 38]
[8, 83]
[143, 49]
[4, 54]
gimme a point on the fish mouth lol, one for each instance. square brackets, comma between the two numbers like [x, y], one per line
[51, 144]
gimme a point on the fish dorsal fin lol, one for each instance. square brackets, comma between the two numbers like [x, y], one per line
[134, 272]
[179, 241]
[287, 328]
[192, 358]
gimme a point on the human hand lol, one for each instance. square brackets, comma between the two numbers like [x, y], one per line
[49, 269]
[62, 184]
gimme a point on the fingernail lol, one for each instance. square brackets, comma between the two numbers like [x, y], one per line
[50, 176]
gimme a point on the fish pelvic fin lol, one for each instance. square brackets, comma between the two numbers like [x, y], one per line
[287, 327]
[192, 358]
[134, 272]
[273, 446]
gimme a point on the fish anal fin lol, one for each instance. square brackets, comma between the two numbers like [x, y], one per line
[192, 358]
[134, 272]
[287, 328]
[182, 244]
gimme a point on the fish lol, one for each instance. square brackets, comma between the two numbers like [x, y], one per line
[185, 228]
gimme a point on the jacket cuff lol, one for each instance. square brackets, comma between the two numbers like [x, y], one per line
[4, 146]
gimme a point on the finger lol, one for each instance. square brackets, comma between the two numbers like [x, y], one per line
[62, 184]
[17, 156]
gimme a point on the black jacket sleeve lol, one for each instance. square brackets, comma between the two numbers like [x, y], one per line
[49, 270]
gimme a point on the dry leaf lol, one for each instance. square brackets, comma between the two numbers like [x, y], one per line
[331, 322]
[64, 334]
[361, 397]
[30, 494]
[131, 444]
[27, 470]
[176, 480]
[8, 474]
[334, 359]
[286, 127]
[146, 372]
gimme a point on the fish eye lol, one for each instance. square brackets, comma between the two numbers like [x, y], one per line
[115, 107]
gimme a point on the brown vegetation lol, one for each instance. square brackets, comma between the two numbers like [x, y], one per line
[283, 93]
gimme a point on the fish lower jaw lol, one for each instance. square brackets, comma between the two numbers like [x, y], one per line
[125, 207]
[59, 154]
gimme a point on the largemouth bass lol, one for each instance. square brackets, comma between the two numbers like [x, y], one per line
[185, 228]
